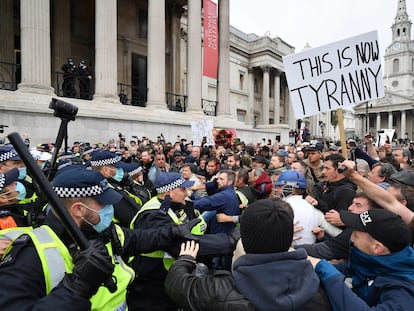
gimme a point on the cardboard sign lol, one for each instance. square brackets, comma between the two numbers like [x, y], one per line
[337, 75]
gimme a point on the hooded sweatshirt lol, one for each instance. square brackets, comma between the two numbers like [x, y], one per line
[276, 281]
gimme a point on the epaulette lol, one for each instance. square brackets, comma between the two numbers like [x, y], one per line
[24, 238]
[17, 245]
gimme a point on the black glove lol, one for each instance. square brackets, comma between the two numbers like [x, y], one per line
[184, 231]
[93, 267]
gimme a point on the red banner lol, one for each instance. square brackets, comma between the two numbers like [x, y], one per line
[210, 61]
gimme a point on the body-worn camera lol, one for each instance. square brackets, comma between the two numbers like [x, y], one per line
[63, 109]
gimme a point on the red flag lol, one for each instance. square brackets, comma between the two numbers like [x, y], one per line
[210, 61]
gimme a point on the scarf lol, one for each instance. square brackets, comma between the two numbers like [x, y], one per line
[365, 268]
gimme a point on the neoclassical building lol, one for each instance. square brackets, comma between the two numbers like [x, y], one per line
[396, 109]
[146, 59]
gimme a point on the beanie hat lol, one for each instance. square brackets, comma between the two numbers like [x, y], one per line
[266, 227]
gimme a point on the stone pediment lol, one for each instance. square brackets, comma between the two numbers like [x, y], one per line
[390, 102]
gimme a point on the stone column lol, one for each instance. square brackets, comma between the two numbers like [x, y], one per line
[378, 121]
[265, 96]
[223, 83]
[106, 71]
[276, 109]
[176, 48]
[250, 98]
[35, 46]
[390, 119]
[156, 54]
[403, 128]
[194, 66]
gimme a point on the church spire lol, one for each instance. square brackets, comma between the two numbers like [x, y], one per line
[401, 29]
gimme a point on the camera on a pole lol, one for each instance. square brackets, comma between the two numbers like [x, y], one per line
[63, 109]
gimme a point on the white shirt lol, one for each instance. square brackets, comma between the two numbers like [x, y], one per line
[309, 217]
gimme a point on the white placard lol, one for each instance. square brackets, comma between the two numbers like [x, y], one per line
[383, 135]
[200, 129]
[337, 75]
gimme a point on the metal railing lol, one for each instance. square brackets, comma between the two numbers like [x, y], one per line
[66, 85]
[9, 76]
[132, 95]
[176, 102]
[209, 107]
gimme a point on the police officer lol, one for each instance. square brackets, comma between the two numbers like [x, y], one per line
[167, 208]
[85, 78]
[29, 194]
[112, 167]
[12, 219]
[69, 72]
[45, 270]
[11, 214]
[133, 182]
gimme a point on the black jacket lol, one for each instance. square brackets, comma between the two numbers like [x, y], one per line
[295, 282]
[332, 248]
[126, 208]
[208, 292]
[337, 195]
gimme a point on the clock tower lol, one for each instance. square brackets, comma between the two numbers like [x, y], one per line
[399, 56]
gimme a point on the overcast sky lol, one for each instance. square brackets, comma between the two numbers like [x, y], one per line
[317, 22]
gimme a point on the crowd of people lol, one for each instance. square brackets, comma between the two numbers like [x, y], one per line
[238, 226]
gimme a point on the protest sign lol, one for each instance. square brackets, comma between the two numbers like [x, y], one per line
[337, 75]
[201, 129]
[384, 136]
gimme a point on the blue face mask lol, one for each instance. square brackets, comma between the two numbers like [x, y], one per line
[21, 189]
[105, 215]
[119, 174]
[22, 173]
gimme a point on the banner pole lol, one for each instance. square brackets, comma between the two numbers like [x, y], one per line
[340, 115]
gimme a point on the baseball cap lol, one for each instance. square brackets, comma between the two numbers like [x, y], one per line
[260, 159]
[79, 182]
[282, 152]
[333, 147]
[293, 178]
[383, 225]
[177, 153]
[167, 181]
[312, 147]
[405, 177]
